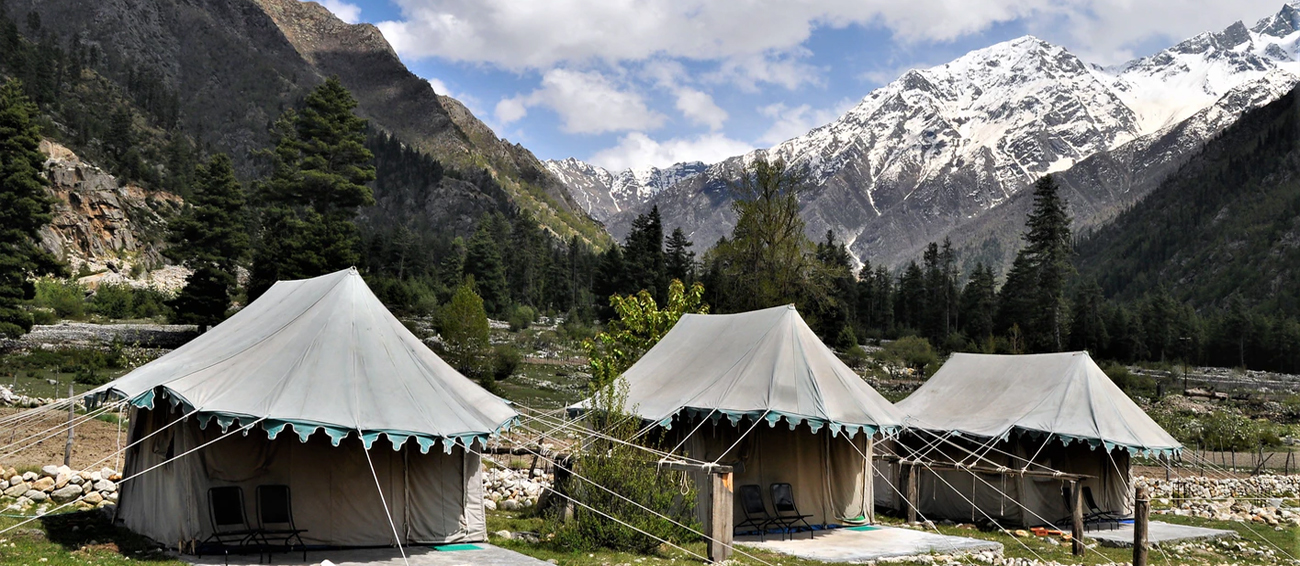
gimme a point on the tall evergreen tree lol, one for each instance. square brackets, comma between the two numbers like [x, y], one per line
[1048, 248]
[643, 255]
[1088, 329]
[320, 170]
[24, 208]
[484, 264]
[679, 260]
[210, 238]
[979, 303]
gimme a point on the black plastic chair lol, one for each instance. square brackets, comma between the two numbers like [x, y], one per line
[276, 528]
[756, 515]
[1097, 514]
[787, 515]
[230, 529]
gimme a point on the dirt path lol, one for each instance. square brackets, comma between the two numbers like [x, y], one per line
[92, 440]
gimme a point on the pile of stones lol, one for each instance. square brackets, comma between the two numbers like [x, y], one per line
[57, 485]
[1257, 499]
[512, 490]
[10, 399]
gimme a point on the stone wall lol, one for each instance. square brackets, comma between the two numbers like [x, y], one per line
[56, 486]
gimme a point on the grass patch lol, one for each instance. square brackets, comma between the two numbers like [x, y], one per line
[76, 539]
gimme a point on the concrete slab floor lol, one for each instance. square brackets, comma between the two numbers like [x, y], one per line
[845, 545]
[484, 555]
[1157, 533]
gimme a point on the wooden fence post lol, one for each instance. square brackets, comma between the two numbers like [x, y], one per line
[1076, 536]
[912, 498]
[67, 448]
[720, 520]
[1141, 514]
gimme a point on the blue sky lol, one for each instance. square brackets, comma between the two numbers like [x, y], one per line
[634, 83]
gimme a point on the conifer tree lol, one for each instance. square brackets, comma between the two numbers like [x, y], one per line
[643, 255]
[210, 238]
[484, 264]
[24, 208]
[979, 303]
[679, 259]
[1048, 247]
[320, 170]
[463, 326]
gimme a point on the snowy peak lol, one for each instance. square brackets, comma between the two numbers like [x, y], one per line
[603, 193]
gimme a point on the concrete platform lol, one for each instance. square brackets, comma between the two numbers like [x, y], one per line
[484, 555]
[847, 545]
[1157, 533]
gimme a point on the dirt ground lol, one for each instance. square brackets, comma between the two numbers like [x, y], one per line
[92, 441]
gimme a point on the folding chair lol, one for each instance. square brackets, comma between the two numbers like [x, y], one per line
[787, 515]
[756, 515]
[275, 519]
[229, 522]
[1095, 513]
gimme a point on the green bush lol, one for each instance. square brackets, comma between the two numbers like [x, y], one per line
[44, 316]
[1130, 383]
[522, 317]
[66, 298]
[505, 360]
[912, 352]
[122, 301]
[854, 356]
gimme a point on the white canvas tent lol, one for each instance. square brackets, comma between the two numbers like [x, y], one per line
[324, 370]
[1041, 412]
[744, 374]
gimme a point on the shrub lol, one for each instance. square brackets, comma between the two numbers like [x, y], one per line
[1129, 382]
[854, 356]
[66, 298]
[912, 352]
[122, 301]
[505, 360]
[522, 317]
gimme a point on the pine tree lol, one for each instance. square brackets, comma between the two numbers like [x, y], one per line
[979, 303]
[463, 326]
[1088, 330]
[209, 237]
[679, 260]
[483, 263]
[320, 170]
[911, 300]
[1048, 248]
[643, 255]
[24, 208]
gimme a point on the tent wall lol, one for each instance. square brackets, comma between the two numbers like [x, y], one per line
[432, 498]
[1008, 499]
[829, 475]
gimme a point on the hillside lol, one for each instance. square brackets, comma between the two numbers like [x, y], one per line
[1225, 224]
[241, 63]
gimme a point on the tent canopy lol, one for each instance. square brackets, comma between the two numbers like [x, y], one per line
[320, 353]
[1064, 395]
[761, 364]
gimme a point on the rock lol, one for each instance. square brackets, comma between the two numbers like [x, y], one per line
[96, 476]
[93, 498]
[43, 484]
[65, 470]
[50, 471]
[75, 479]
[23, 503]
[61, 480]
[503, 534]
[4, 484]
[85, 476]
[17, 489]
[29, 476]
[489, 505]
[510, 505]
[15, 479]
[112, 497]
[37, 496]
[66, 494]
[105, 485]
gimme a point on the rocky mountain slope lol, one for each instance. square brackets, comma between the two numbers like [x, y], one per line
[240, 63]
[945, 151]
[604, 194]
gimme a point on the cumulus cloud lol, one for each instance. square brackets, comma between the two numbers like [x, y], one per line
[792, 121]
[587, 102]
[348, 12]
[637, 150]
[700, 108]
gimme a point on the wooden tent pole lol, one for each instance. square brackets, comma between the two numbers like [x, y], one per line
[1076, 493]
[1141, 515]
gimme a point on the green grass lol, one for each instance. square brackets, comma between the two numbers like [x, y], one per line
[75, 539]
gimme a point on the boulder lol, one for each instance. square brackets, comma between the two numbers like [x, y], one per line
[96, 476]
[75, 479]
[43, 484]
[17, 489]
[15, 479]
[503, 534]
[64, 470]
[510, 505]
[50, 471]
[93, 498]
[66, 494]
[105, 485]
[29, 476]
[4, 484]
[85, 476]
[489, 505]
[37, 496]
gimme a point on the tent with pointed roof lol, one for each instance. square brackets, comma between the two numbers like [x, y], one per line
[1056, 412]
[760, 391]
[329, 385]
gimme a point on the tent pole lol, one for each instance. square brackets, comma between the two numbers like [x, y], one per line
[1076, 493]
[1141, 514]
[72, 412]
[721, 530]
[911, 493]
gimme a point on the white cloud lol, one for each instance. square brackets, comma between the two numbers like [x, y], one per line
[700, 108]
[348, 12]
[637, 150]
[441, 87]
[793, 121]
[587, 103]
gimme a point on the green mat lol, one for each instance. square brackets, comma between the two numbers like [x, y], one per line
[863, 528]
[455, 547]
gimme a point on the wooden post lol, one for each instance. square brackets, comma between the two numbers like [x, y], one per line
[67, 448]
[1076, 533]
[720, 516]
[1141, 514]
[912, 498]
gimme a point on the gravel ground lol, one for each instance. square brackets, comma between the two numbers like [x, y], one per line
[92, 440]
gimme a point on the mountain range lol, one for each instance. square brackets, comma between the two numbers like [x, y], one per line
[948, 151]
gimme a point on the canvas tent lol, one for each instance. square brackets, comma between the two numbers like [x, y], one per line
[763, 378]
[1057, 412]
[335, 385]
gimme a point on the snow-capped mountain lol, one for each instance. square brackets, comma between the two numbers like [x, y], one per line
[934, 152]
[604, 194]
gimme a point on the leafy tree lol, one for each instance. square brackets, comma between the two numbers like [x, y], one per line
[463, 325]
[679, 260]
[209, 237]
[912, 352]
[320, 167]
[24, 208]
[640, 324]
